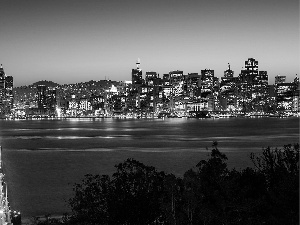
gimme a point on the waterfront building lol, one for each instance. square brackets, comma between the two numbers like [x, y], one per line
[97, 102]
[73, 106]
[51, 100]
[6, 93]
[85, 105]
[42, 96]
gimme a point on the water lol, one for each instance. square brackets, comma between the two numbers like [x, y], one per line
[44, 158]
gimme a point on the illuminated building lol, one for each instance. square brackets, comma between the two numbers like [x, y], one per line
[207, 89]
[137, 81]
[280, 79]
[151, 78]
[287, 95]
[177, 81]
[2, 91]
[284, 96]
[252, 87]
[260, 91]
[251, 65]
[85, 104]
[296, 99]
[193, 84]
[153, 85]
[42, 96]
[228, 72]
[6, 93]
[51, 99]
[228, 90]
[9, 84]
[136, 75]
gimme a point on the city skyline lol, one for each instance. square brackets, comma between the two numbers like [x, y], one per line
[76, 41]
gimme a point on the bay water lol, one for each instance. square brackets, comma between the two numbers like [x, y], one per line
[42, 159]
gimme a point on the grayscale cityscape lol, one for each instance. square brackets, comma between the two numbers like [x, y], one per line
[151, 95]
[160, 112]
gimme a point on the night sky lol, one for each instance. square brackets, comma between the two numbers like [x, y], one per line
[77, 41]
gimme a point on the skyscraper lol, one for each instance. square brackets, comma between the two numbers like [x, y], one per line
[207, 89]
[228, 90]
[42, 96]
[2, 87]
[280, 79]
[136, 75]
[6, 93]
[151, 78]
[228, 72]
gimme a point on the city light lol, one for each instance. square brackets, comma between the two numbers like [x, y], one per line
[173, 95]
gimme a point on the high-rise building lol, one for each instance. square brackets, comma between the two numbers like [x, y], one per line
[6, 93]
[228, 90]
[136, 74]
[207, 89]
[151, 78]
[193, 84]
[228, 72]
[249, 79]
[280, 79]
[260, 91]
[2, 89]
[251, 65]
[177, 81]
[287, 95]
[42, 96]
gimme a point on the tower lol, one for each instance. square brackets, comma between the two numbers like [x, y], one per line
[136, 74]
[41, 96]
[228, 72]
[207, 89]
[2, 91]
[138, 62]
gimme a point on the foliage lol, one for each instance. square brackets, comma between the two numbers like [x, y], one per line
[209, 193]
[131, 196]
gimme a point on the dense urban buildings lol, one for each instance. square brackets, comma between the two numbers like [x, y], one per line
[174, 94]
[6, 93]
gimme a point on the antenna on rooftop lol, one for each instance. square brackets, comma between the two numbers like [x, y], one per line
[138, 62]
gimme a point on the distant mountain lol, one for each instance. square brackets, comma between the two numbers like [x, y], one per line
[46, 83]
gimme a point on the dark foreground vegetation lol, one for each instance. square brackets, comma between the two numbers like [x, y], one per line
[209, 193]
